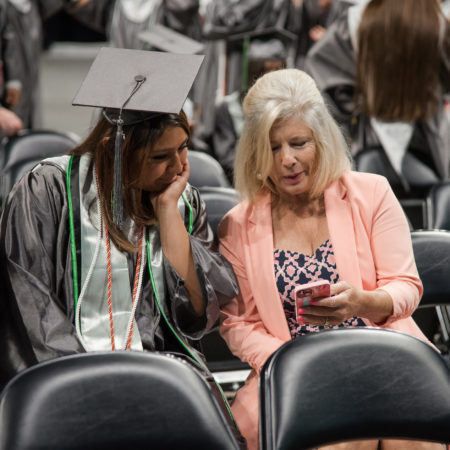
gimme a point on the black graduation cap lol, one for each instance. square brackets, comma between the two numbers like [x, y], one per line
[164, 39]
[131, 86]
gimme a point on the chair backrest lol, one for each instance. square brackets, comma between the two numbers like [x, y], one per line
[218, 201]
[24, 151]
[432, 255]
[418, 175]
[113, 400]
[206, 171]
[374, 160]
[438, 206]
[353, 384]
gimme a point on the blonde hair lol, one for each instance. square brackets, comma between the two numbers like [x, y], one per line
[273, 99]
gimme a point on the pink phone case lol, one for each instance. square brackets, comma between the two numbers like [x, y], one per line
[305, 293]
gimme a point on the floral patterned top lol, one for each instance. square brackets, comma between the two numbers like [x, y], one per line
[294, 268]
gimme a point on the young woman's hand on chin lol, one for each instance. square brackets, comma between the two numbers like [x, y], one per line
[168, 197]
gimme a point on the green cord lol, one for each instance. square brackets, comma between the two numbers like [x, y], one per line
[72, 235]
[245, 50]
[188, 350]
[191, 213]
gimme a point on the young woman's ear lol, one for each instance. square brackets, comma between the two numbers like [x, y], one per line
[105, 140]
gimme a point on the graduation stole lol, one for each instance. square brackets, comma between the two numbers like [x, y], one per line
[93, 322]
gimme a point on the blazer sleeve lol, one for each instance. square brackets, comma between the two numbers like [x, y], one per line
[242, 327]
[393, 255]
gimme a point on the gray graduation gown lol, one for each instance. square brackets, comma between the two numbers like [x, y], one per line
[37, 303]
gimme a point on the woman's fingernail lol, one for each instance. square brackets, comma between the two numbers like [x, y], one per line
[301, 310]
[314, 302]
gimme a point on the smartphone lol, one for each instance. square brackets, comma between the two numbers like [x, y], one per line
[305, 293]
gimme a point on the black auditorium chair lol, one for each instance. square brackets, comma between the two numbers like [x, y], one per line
[432, 255]
[112, 400]
[218, 201]
[205, 170]
[22, 152]
[350, 384]
[420, 178]
[438, 206]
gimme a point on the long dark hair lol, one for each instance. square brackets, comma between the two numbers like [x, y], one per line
[139, 138]
[398, 57]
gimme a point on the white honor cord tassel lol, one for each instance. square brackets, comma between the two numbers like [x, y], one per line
[91, 269]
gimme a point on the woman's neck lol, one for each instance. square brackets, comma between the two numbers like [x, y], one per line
[299, 225]
[299, 205]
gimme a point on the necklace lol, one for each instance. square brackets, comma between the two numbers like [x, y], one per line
[136, 289]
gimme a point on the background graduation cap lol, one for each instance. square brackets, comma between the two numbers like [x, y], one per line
[164, 39]
[131, 86]
[270, 44]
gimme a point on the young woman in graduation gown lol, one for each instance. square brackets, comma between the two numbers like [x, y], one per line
[55, 245]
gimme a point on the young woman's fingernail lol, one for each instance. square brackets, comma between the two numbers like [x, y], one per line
[314, 302]
[301, 310]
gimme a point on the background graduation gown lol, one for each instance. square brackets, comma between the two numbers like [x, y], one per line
[37, 304]
[24, 18]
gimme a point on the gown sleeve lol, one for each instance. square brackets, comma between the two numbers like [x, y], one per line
[36, 311]
[214, 273]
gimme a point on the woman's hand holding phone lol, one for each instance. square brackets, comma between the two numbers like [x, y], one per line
[307, 297]
[343, 302]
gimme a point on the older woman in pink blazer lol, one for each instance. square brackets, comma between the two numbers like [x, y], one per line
[306, 216]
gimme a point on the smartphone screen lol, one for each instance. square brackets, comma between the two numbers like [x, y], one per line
[305, 293]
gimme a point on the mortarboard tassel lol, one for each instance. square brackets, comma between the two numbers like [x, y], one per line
[117, 205]
[118, 166]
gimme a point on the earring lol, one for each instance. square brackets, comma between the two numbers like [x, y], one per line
[259, 176]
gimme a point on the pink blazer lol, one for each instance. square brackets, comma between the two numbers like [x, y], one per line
[372, 246]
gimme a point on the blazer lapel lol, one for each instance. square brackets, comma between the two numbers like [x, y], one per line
[341, 227]
[263, 274]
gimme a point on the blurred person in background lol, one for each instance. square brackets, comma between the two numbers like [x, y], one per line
[384, 66]
[24, 18]
[10, 123]
[265, 54]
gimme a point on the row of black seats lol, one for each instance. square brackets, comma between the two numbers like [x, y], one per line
[349, 384]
